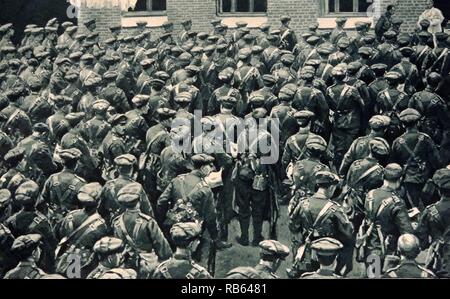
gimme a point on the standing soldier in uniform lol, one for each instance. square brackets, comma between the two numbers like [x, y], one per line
[30, 221]
[385, 22]
[186, 237]
[113, 94]
[339, 31]
[316, 217]
[288, 39]
[360, 146]
[59, 195]
[80, 230]
[386, 218]
[226, 90]
[27, 250]
[434, 227]
[184, 35]
[113, 144]
[364, 175]
[417, 153]
[409, 248]
[327, 250]
[109, 252]
[109, 207]
[145, 244]
[272, 254]
[347, 114]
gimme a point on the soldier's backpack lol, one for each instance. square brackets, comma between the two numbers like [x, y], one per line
[246, 272]
[185, 208]
[367, 227]
[438, 254]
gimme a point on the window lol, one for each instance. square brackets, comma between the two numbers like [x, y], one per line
[242, 6]
[150, 5]
[346, 6]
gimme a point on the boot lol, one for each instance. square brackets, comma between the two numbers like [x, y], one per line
[257, 232]
[244, 223]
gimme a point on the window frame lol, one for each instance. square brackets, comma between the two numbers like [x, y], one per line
[235, 13]
[146, 13]
[325, 11]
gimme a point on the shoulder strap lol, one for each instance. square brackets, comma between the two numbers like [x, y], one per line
[367, 173]
[88, 221]
[322, 213]
[125, 232]
[11, 118]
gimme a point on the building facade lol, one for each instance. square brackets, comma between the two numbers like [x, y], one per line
[254, 12]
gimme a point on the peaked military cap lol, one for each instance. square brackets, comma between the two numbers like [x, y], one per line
[442, 178]
[26, 243]
[89, 193]
[316, 142]
[70, 154]
[327, 177]
[166, 112]
[409, 115]
[274, 248]
[108, 245]
[6, 27]
[185, 231]
[379, 121]
[89, 22]
[326, 246]
[167, 24]
[379, 146]
[341, 20]
[390, 34]
[130, 193]
[183, 97]
[288, 59]
[125, 160]
[100, 105]
[393, 171]
[304, 114]
[202, 159]
[5, 196]
[117, 119]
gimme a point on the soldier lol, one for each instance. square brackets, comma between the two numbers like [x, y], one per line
[295, 149]
[109, 253]
[113, 144]
[186, 237]
[433, 108]
[95, 129]
[272, 254]
[192, 188]
[339, 31]
[360, 146]
[272, 53]
[342, 54]
[379, 84]
[261, 40]
[143, 81]
[391, 102]
[316, 217]
[126, 77]
[408, 70]
[113, 94]
[421, 52]
[184, 35]
[386, 50]
[146, 245]
[304, 171]
[433, 228]
[353, 79]
[15, 121]
[417, 153]
[67, 37]
[386, 218]
[6, 33]
[37, 107]
[226, 90]
[364, 175]
[347, 113]
[13, 163]
[267, 92]
[385, 22]
[252, 188]
[80, 230]
[30, 221]
[90, 25]
[288, 39]
[27, 250]
[409, 248]
[58, 195]
[56, 121]
[327, 250]
[109, 207]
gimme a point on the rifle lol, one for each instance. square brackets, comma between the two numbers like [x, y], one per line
[212, 258]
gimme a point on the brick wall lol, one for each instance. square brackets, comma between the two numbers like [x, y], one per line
[105, 18]
[302, 12]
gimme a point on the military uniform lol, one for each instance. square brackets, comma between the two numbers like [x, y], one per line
[269, 250]
[113, 94]
[324, 247]
[417, 154]
[433, 228]
[181, 265]
[80, 229]
[105, 248]
[109, 206]
[140, 233]
[333, 222]
[409, 269]
[25, 245]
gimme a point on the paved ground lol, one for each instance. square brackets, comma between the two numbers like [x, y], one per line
[248, 256]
